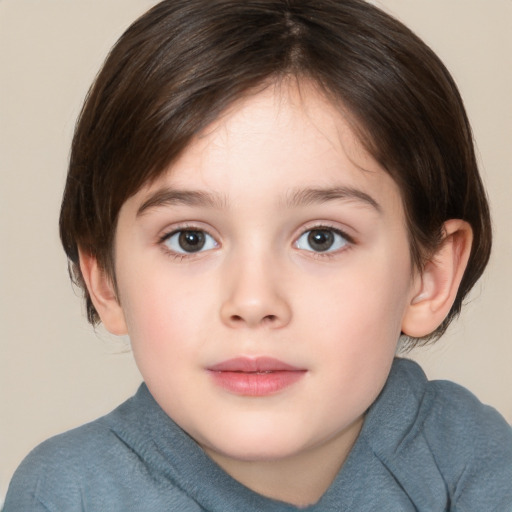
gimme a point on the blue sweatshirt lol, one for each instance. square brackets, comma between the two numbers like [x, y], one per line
[424, 446]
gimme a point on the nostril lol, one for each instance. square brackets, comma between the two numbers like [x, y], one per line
[266, 319]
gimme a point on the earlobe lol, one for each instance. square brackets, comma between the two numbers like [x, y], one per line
[103, 295]
[437, 285]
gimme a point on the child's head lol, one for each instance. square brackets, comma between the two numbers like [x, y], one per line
[264, 195]
[184, 64]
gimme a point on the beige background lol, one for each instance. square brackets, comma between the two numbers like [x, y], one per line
[55, 372]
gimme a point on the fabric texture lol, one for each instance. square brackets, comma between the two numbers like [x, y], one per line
[424, 446]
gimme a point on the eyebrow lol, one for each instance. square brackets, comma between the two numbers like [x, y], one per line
[308, 196]
[294, 199]
[170, 197]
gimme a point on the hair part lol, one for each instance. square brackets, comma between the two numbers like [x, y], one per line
[182, 64]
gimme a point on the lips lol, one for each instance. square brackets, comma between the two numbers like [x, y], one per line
[255, 376]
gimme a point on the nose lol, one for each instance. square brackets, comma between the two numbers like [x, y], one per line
[254, 296]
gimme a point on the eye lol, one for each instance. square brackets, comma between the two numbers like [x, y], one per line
[189, 241]
[322, 240]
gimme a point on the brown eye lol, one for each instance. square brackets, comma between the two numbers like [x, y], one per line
[322, 240]
[191, 241]
[188, 241]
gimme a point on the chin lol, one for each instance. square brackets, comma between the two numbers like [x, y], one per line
[262, 447]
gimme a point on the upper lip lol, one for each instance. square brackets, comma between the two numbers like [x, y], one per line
[253, 365]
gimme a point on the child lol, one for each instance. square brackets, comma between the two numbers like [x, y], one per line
[266, 195]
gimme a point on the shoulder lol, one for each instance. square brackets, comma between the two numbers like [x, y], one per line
[456, 411]
[444, 408]
[125, 460]
[87, 468]
[442, 428]
[51, 477]
[472, 444]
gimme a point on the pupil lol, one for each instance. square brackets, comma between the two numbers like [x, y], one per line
[191, 241]
[320, 240]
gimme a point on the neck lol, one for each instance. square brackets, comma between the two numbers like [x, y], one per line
[300, 479]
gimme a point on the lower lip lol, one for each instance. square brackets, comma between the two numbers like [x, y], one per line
[255, 383]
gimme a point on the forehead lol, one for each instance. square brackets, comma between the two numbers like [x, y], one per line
[276, 143]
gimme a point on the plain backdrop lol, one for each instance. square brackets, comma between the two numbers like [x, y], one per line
[56, 372]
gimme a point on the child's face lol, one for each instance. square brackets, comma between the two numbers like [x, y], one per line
[297, 251]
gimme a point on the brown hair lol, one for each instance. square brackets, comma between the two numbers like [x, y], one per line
[181, 64]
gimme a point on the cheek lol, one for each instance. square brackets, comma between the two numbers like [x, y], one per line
[356, 318]
[159, 311]
[362, 298]
[356, 330]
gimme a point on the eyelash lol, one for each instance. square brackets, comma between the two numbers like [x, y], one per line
[180, 256]
[316, 254]
[350, 242]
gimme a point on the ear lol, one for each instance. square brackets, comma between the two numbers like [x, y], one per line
[435, 289]
[103, 295]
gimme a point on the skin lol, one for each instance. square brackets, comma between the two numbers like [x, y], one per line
[259, 288]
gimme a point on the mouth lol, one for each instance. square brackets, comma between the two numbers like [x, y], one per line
[260, 376]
